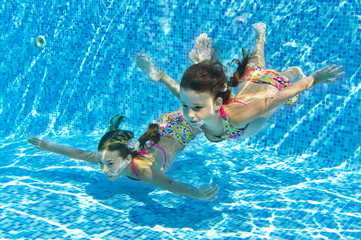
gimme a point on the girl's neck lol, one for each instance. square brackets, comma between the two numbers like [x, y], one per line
[214, 123]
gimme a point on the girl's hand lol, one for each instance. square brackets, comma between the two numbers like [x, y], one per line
[143, 62]
[40, 143]
[326, 75]
[208, 193]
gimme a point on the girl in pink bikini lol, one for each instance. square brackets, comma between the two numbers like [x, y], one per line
[146, 161]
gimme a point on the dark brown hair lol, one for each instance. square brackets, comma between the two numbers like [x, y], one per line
[118, 139]
[209, 75]
[241, 69]
[151, 135]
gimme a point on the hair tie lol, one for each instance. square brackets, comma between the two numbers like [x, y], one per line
[225, 87]
[133, 145]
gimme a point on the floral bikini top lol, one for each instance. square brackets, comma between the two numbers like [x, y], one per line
[173, 125]
[230, 132]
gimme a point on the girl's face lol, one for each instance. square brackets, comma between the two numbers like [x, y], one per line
[112, 164]
[199, 107]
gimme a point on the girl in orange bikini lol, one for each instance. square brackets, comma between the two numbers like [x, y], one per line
[206, 96]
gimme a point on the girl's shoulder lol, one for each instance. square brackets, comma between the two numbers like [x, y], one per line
[233, 112]
[233, 105]
[144, 159]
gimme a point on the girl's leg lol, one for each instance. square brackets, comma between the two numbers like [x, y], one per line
[257, 56]
[249, 91]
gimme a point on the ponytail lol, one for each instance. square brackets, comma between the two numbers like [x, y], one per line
[209, 75]
[115, 121]
[117, 139]
[241, 69]
[151, 134]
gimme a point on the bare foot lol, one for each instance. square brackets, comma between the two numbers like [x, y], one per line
[201, 50]
[143, 62]
[260, 30]
[40, 143]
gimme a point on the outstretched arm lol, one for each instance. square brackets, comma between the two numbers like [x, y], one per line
[201, 51]
[155, 74]
[149, 175]
[241, 116]
[44, 145]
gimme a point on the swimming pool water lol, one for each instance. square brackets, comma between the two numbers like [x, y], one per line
[297, 179]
